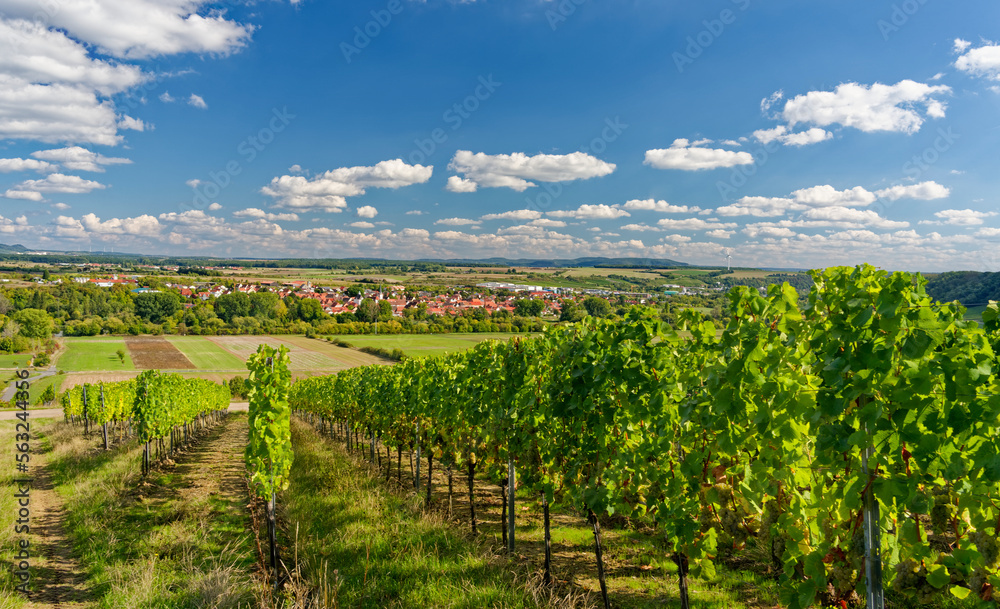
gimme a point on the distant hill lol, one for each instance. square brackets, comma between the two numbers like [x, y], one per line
[574, 263]
[968, 287]
[14, 249]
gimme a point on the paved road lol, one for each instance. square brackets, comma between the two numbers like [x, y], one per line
[8, 393]
[57, 413]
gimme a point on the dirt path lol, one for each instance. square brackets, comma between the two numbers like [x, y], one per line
[213, 465]
[59, 581]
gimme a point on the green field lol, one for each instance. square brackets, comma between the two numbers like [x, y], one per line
[87, 354]
[423, 345]
[205, 354]
[13, 361]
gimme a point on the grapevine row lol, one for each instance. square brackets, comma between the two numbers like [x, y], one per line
[793, 425]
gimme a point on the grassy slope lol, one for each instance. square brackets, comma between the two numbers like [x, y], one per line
[9, 599]
[387, 553]
[85, 354]
[141, 544]
[205, 354]
[419, 345]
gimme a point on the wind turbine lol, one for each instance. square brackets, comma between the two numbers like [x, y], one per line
[729, 259]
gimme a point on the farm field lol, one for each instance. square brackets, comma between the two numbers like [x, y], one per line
[204, 354]
[423, 345]
[83, 354]
[216, 358]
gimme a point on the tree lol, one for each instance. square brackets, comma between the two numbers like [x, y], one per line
[354, 291]
[310, 309]
[49, 395]
[528, 307]
[230, 306]
[596, 306]
[35, 323]
[121, 355]
[5, 305]
[264, 305]
[384, 310]
[571, 312]
[156, 306]
[367, 311]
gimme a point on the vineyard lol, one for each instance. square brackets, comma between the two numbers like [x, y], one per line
[856, 436]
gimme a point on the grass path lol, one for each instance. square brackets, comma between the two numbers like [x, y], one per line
[361, 544]
[177, 538]
[60, 581]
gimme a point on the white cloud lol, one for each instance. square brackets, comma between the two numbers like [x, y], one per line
[328, 191]
[17, 165]
[193, 183]
[76, 158]
[144, 225]
[591, 212]
[961, 45]
[54, 113]
[546, 223]
[58, 183]
[783, 135]
[519, 214]
[214, 207]
[754, 231]
[197, 101]
[962, 217]
[760, 207]
[846, 217]
[871, 108]
[60, 206]
[457, 184]
[693, 224]
[720, 233]
[253, 212]
[132, 124]
[515, 171]
[640, 228]
[660, 206]
[366, 211]
[456, 221]
[167, 98]
[361, 225]
[685, 156]
[296, 168]
[828, 196]
[416, 212]
[141, 28]
[924, 191]
[25, 195]
[988, 232]
[982, 61]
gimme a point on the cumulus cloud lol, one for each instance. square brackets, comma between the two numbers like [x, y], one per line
[846, 217]
[981, 61]
[720, 233]
[519, 214]
[253, 212]
[693, 224]
[868, 108]
[456, 221]
[924, 191]
[144, 225]
[366, 211]
[783, 135]
[457, 184]
[754, 231]
[214, 207]
[760, 207]
[416, 212]
[16, 165]
[685, 156]
[55, 183]
[328, 191]
[76, 158]
[961, 217]
[591, 212]
[515, 171]
[660, 206]
[828, 196]
[137, 29]
[361, 225]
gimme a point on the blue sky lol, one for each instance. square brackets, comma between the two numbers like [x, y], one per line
[788, 134]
